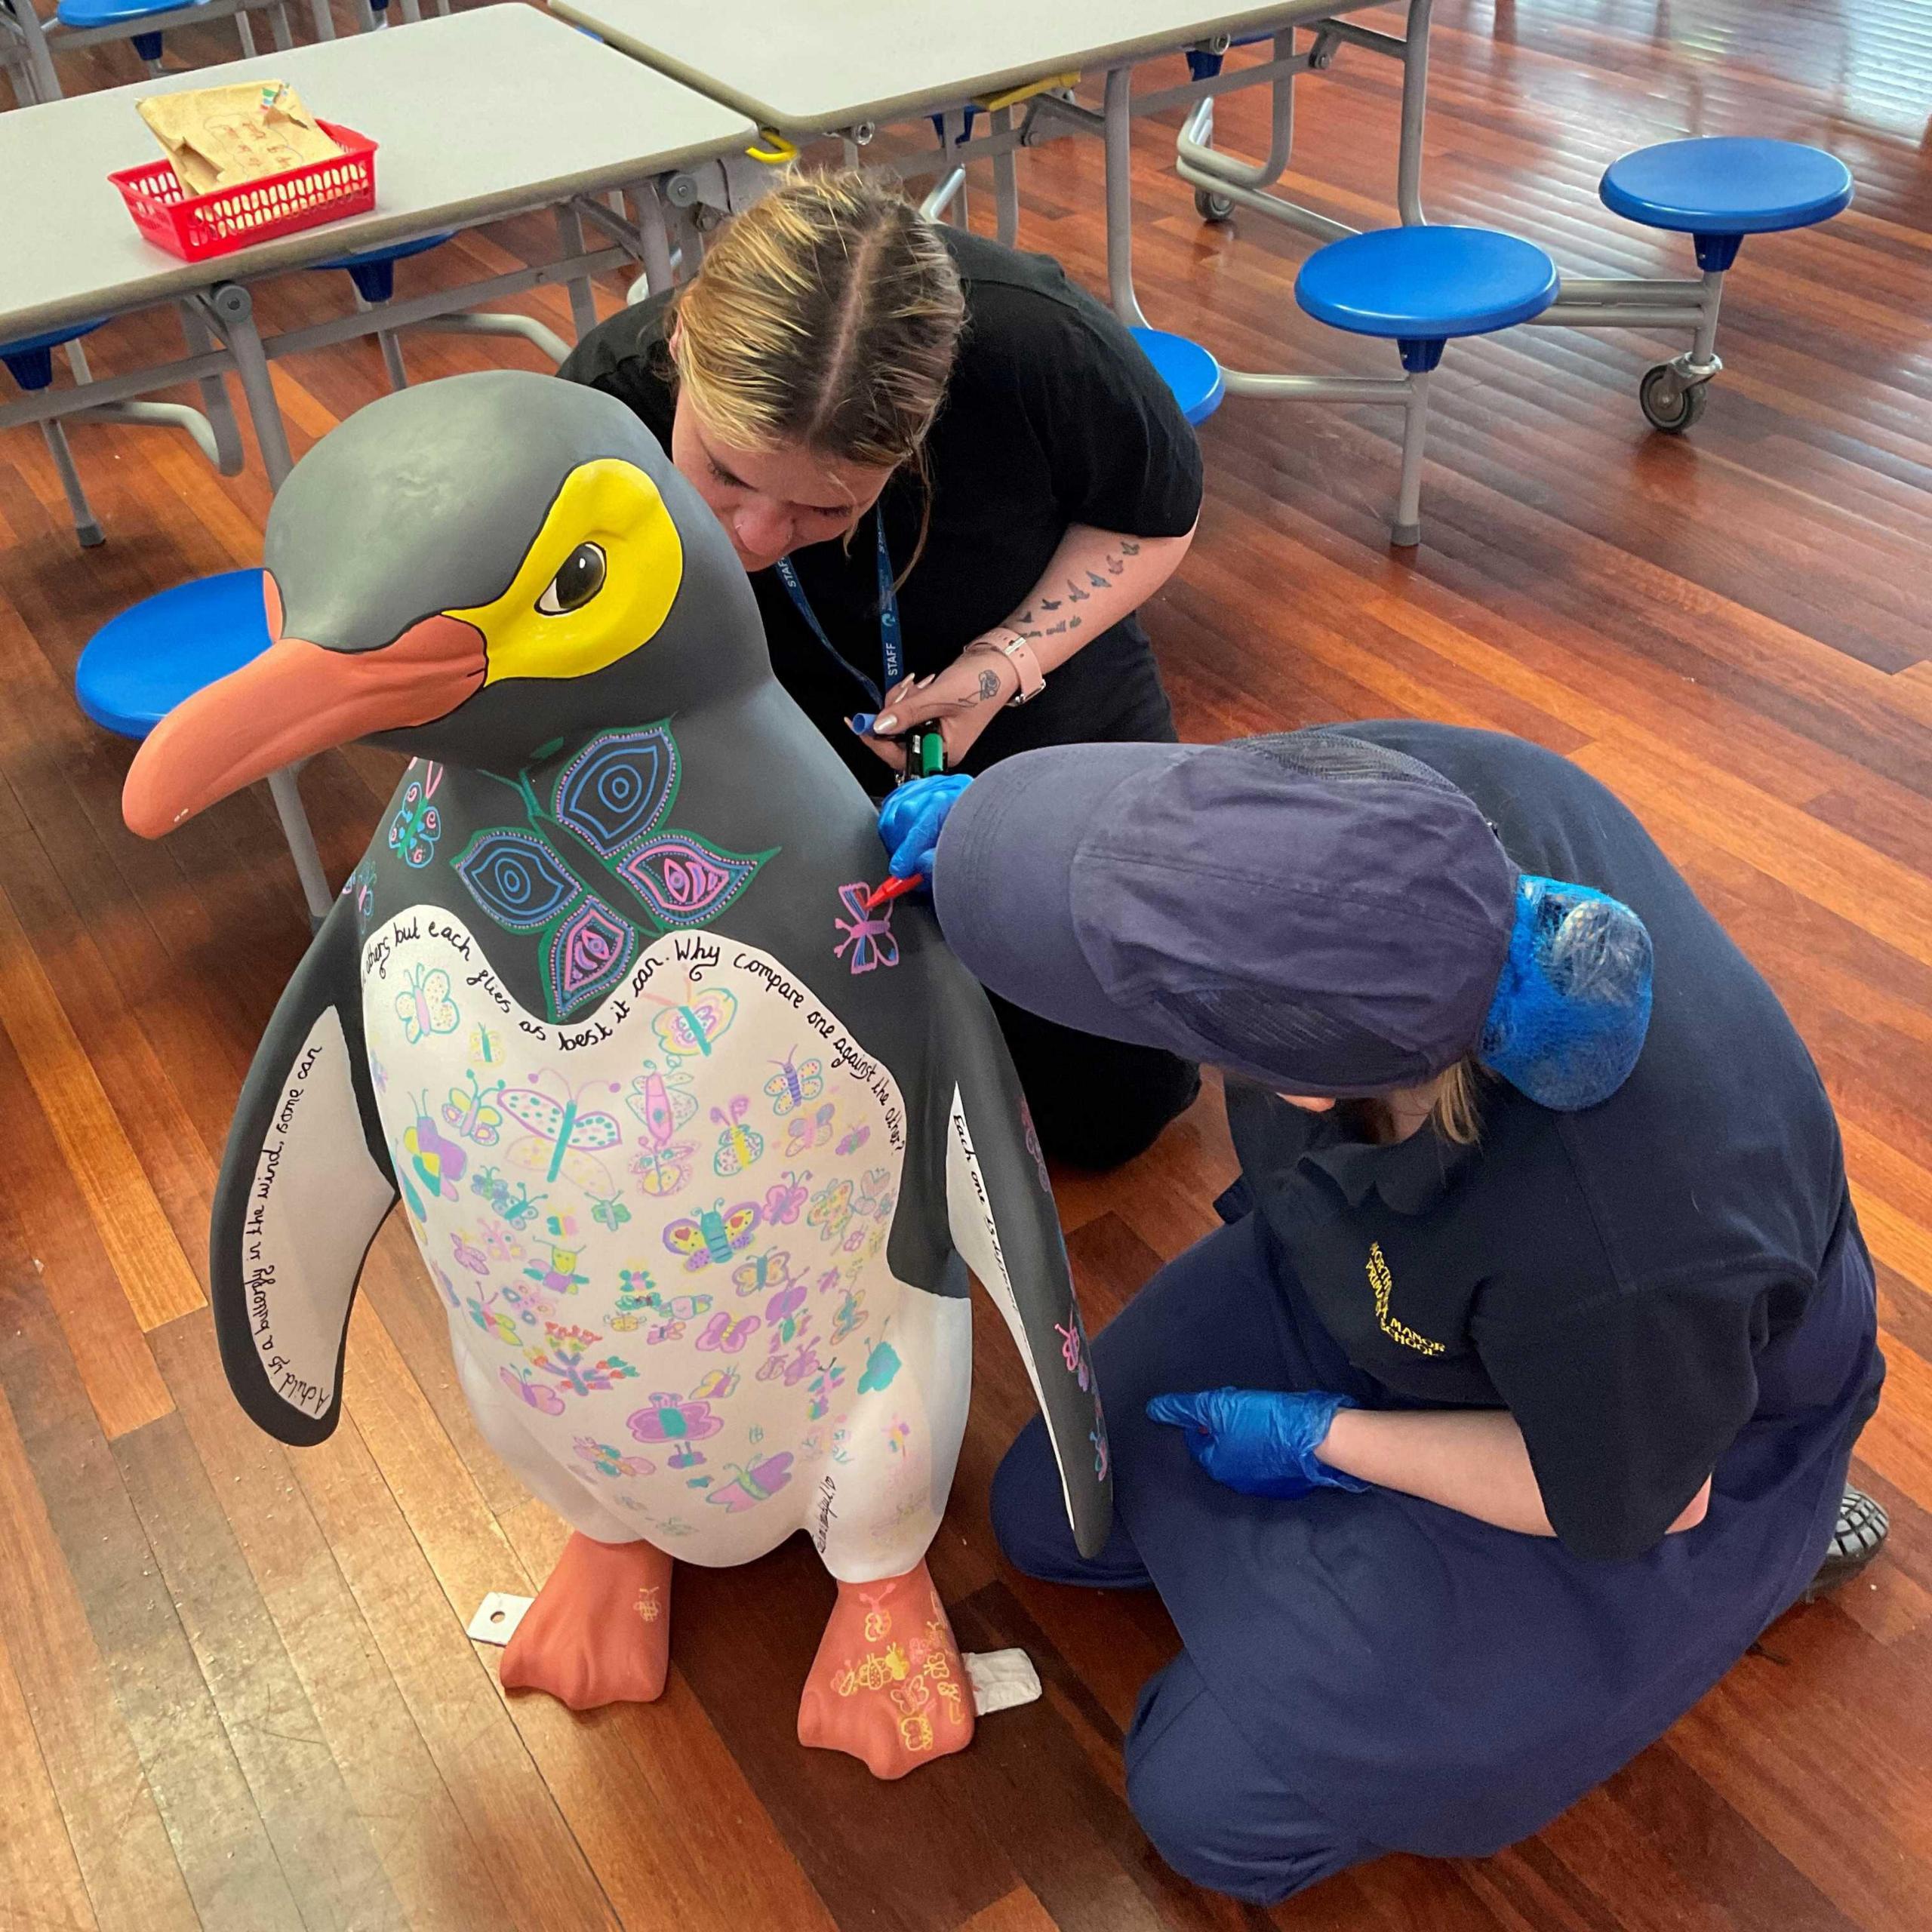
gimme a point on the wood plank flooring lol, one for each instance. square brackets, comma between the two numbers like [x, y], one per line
[234, 1688]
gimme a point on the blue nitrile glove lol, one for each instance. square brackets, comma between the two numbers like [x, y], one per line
[1260, 1441]
[910, 820]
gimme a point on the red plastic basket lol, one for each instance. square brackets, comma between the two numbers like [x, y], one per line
[197, 226]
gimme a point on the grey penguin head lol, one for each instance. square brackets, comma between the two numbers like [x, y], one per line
[468, 570]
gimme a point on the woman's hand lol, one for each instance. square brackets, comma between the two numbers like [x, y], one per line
[962, 700]
[1261, 1442]
[910, 821]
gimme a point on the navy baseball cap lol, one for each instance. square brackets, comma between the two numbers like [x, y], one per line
[1325, 915]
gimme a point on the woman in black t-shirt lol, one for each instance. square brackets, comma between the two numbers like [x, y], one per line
[1518, 1395]
[953, 478]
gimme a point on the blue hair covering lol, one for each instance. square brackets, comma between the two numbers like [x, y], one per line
[1572, 1003]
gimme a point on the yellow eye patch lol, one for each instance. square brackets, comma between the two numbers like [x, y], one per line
[616, 506]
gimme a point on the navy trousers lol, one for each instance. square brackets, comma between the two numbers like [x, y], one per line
[1370, 1673]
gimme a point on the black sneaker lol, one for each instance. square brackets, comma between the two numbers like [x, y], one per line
[1862, 1529]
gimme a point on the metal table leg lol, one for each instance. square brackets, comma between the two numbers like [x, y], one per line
[232, 309]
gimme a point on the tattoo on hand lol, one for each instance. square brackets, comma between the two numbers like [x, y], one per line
[1074, 595]
[1048, 603]
[1130, 549]
[1065, 624]
[989, 685]
[1098, 582]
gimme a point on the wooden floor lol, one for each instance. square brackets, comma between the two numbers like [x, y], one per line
[234, 1689]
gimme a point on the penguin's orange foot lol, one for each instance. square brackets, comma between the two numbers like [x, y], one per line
[600, 1630]
[888, 1685]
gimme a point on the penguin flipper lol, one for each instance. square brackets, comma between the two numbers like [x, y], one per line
[1000, 1212]
[306, 1182]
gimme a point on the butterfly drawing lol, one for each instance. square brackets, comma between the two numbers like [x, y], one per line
[438, 1163]
[715, 1384]
[471, 1111]
[868, 935]
[786, 1316]
[486, 1044]
[540, 1395]
[763, 1273]
[738, 1145]
[882, 1365]
[694, 1024]
[792, 1085]
[678, 1308]
[491, 1319]
[560, 1127]
[715, 1234]
[498, 1242]
[416, 826]
[660, 1100]
[471, 1256]
[424, 1006]
[831, 1211]
[807, 1131]
[783, 1202]
[851, 1317]
[1070, 1350]
[661, 1331]
[803, 1363]
[851, 1142]
[609, 1211]
[727, 1332]
[753, 1485]
[608, 1462]
[517, 1205]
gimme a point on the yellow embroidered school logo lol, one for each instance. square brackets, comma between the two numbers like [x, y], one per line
[1380, 1281]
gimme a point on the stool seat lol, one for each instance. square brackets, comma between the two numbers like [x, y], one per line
[117, 13]
[396, 251]
[1727, 184]
[1187, 369]
[29, 361]
[138, 667]
[373, 270]
[1426, 283]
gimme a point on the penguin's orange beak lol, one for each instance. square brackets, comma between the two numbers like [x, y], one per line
[294, 700]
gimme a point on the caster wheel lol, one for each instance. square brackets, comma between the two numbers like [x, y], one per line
[1211, 207]
[1666, 403]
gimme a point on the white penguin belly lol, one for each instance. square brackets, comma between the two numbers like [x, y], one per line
[661, 1236]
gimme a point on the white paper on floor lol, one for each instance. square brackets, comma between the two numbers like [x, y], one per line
[1002, 1680]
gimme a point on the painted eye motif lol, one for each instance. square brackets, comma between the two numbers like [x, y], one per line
[579, 579]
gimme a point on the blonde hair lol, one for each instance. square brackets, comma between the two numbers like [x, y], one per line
[1456, 1110]
[827, 314]
[1454, 1104]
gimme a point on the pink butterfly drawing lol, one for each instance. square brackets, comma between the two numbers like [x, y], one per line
[783, 1316]
[751, 1486]
[784, 1202]
[868, 935]
[850, 1143]
[472, 1256]
[540, 1395]
[809, 1130]
[723, 1332]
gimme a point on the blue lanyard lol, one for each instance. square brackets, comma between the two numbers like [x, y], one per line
[891, 654]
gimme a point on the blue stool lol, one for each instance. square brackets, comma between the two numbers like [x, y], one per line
[1417, 287]
[120, 19]
[1187, 369]
[30, 362]
[138, 667]
[1718, 190]
[373, 271]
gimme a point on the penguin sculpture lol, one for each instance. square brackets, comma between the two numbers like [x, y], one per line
[698, 1149]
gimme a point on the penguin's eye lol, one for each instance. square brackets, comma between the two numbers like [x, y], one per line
[579, 580]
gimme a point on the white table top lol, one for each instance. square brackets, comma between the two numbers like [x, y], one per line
[478, 115]
[806, 66]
